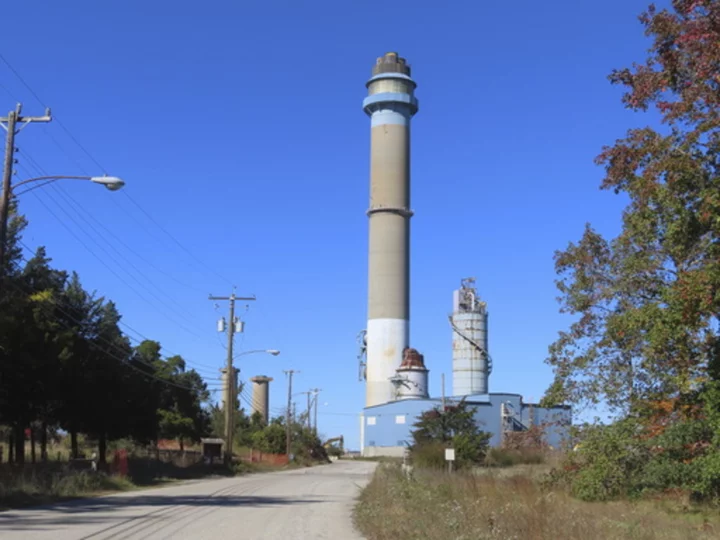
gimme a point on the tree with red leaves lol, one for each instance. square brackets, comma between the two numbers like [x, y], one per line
[648, 301]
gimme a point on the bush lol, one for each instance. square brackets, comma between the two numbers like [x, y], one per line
[271, 439]
[502, 457]
[430, 455]
[629, 459]
[607, 464]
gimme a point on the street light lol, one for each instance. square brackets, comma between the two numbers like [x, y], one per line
[113, 183]
[273, 352]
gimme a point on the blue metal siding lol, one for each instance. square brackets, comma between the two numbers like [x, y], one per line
[386, 431]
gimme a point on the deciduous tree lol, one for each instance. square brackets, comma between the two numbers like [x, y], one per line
[647, 301]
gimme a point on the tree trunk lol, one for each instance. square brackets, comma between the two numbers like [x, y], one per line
[182, 445]
[19, 443]
[73, 444]
[43, 442]
[32, 444]
[102, 450]
[11, 447]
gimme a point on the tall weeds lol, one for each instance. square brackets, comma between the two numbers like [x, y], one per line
[463, 506]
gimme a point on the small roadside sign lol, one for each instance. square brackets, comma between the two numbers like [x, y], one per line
[449, 454]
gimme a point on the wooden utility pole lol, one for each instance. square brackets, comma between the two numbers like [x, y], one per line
[10, 123]
[315, 392]
[289, 373]
[309, 407]
[230, 389]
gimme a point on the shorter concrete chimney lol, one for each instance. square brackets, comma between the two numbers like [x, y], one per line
[261, 396]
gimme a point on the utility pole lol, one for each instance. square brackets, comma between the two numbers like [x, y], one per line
[443, 391]
[315, 392]
[10, 123]
[309, 407]
[230, 390]
[289, 373]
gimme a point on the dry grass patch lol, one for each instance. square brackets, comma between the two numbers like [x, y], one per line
[467, 506]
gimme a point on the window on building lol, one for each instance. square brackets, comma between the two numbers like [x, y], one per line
[370, 420]
[400, 419]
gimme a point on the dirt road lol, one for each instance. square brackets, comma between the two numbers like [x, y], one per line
[291, 505]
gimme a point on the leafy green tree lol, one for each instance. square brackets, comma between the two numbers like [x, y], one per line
[182, 394]
[125, 398]
[46, 344]
[451, 427]
[647, 301]
[31, 346]
[80, 316]
[65, 362]
[646, 339]
[181, 412]
[270, 439]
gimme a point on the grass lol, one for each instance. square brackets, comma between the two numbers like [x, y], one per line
[53, 482]
[496, 504]
[33, 486]
[46, 483]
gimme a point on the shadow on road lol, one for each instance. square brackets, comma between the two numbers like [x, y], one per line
[98, 511]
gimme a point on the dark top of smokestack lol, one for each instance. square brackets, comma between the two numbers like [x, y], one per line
[391, 63]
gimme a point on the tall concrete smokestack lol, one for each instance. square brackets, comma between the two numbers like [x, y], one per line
[261, 396]
[390, 104]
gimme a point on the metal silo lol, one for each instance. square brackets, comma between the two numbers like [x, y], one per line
[471, 361]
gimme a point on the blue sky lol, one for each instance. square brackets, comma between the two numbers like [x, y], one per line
[239, 129]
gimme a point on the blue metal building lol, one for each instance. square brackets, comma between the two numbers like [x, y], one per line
[385, 429]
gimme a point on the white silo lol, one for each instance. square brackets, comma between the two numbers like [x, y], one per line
[469, 321]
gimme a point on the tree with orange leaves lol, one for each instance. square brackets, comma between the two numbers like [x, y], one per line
[648, 301]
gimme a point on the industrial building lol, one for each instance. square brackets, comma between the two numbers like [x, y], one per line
[395, 374]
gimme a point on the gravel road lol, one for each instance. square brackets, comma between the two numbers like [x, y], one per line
[291, 505]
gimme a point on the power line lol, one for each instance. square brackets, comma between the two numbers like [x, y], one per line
[108, 352]
[65, 129]
[197, 259]
[120, 322]
[116, 237]
[110, 269]
[99, 165]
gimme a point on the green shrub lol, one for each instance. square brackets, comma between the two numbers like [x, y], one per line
[606, 465]
[621, 460]
[502, 457]
[430, 455]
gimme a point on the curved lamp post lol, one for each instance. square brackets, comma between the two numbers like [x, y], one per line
[113, 183]
[273, 352]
